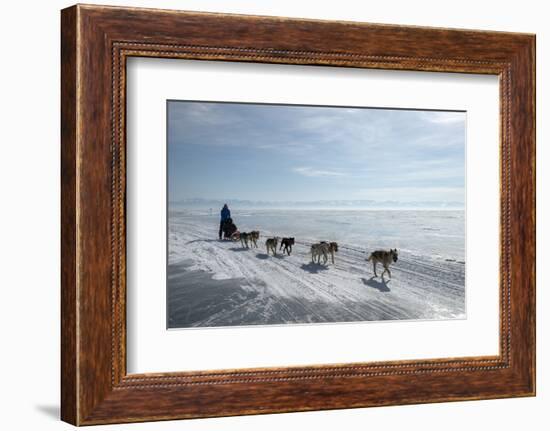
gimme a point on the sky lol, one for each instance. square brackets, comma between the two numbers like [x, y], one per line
[263, 152]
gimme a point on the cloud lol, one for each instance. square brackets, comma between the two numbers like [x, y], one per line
[308, 171]
[246, 147]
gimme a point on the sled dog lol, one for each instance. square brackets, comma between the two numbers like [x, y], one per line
[287, 243]
[271, 244]
[253, 237]
[323, 249]
[319, 249]
[385, 257]
[245, 237]
[332, 248]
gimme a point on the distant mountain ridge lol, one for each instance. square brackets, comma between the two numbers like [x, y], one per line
[357, 203]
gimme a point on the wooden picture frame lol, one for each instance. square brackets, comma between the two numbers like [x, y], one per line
[95, 43]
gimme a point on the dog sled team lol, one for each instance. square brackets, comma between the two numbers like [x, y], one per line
[319, 250]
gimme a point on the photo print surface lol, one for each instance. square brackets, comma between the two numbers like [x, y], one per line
[295, 214]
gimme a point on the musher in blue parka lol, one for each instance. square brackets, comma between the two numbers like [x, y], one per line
[225, 215]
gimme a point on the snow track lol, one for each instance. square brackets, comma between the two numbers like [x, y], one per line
[219, 283]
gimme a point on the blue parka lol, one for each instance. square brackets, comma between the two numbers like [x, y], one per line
[225, 213]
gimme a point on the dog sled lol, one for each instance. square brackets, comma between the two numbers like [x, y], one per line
[230, 231]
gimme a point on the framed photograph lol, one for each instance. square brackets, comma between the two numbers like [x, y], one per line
[264, 214]
[318, 190]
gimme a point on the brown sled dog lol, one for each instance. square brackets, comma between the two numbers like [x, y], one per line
[332, 248]
[253, 237]
[245, 237]
[385, 258]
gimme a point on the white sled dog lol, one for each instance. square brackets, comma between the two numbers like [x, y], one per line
[385, 258]
[271, 244]
[253, 237]
[317, 250]
[323, 249]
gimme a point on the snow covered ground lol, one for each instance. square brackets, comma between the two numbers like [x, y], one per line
[219, 283]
